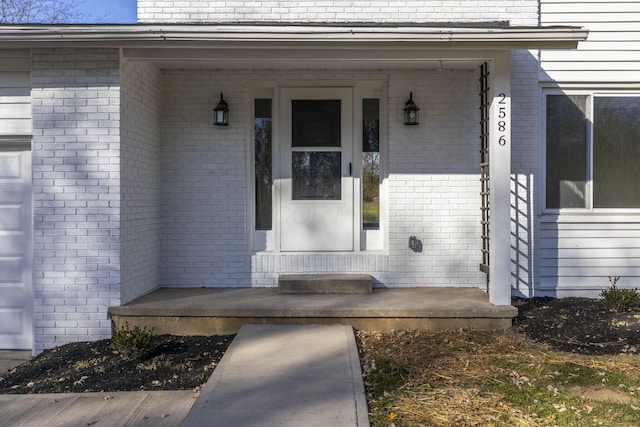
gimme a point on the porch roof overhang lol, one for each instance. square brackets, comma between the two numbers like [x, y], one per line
[330, 45]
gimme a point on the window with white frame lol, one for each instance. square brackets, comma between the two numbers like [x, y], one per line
[372, 172]
[592, 150]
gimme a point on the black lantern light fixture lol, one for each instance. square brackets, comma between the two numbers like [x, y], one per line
[221, 113]
[411, 112]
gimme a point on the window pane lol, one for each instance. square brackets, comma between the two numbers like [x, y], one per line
[263, 180]
[315, 123]
[316, 175]
[371, 164]
[370, 125]
[566, 154]
[616, 152]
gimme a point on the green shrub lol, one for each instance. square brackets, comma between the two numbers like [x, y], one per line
[131, 343]
[620, 299]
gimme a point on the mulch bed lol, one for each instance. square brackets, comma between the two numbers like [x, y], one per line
[578, 325]
[174, 363]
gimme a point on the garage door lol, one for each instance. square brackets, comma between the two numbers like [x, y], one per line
[16, 295]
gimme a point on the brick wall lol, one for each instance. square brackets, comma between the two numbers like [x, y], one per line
[140, 174]
[433, 182]
[203, 235]
[517, 12]
[76, 193]
[434, 186]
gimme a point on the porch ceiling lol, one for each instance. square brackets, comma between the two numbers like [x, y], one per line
[299, 45]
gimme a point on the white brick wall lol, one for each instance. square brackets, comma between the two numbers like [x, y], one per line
[434, 187]
[140, 163]
[433, 182]
[76, 193]
[203, 236]
[517, 12]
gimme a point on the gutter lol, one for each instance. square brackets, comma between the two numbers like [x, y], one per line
[180, 35]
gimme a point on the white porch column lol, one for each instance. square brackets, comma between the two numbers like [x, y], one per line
[499, 178]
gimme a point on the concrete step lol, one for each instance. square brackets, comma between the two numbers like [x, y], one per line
[325, 284]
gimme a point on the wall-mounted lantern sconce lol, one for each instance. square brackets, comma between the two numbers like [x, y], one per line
[411, 112]
[221, 113]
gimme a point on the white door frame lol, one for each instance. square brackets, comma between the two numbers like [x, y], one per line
[296, 221]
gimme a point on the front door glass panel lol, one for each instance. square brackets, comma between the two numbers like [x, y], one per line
[315, 123]
[316, 175]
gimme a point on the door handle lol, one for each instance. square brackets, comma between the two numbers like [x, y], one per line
[350, 174]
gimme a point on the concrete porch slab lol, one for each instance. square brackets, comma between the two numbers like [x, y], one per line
[207, 311]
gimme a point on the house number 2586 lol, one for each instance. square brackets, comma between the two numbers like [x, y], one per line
[502, 123]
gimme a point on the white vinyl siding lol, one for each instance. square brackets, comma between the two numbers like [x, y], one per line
[577, 251]
[579, 247]
[612, 50]
[15, 92]
[580, 253]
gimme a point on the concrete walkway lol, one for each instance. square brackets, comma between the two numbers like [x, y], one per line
[285, 375]
[271, 375]
[131, 408]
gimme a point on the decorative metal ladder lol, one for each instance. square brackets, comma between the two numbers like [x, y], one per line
[484, 166]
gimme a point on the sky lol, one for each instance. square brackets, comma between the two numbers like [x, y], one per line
[109, 11]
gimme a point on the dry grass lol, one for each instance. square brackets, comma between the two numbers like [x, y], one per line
[475, 378]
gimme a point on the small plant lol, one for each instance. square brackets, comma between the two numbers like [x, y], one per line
[618, 299]
[132, 343]
[386, 375]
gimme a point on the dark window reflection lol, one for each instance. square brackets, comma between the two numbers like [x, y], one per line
[371, 125]
[566, 154]
[263, 175]
[316, 175]
[616, 152]
[371, 164]
[315, 123]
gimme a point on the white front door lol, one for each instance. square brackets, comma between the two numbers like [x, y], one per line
[316, 190]
[16, 298]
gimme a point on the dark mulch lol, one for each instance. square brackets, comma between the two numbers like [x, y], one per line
[578, 325]
[174, 363]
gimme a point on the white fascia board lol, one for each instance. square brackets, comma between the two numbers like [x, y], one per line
[195, 36]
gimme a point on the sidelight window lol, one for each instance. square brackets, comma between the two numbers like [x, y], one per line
[263, 152]
[371, 164]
